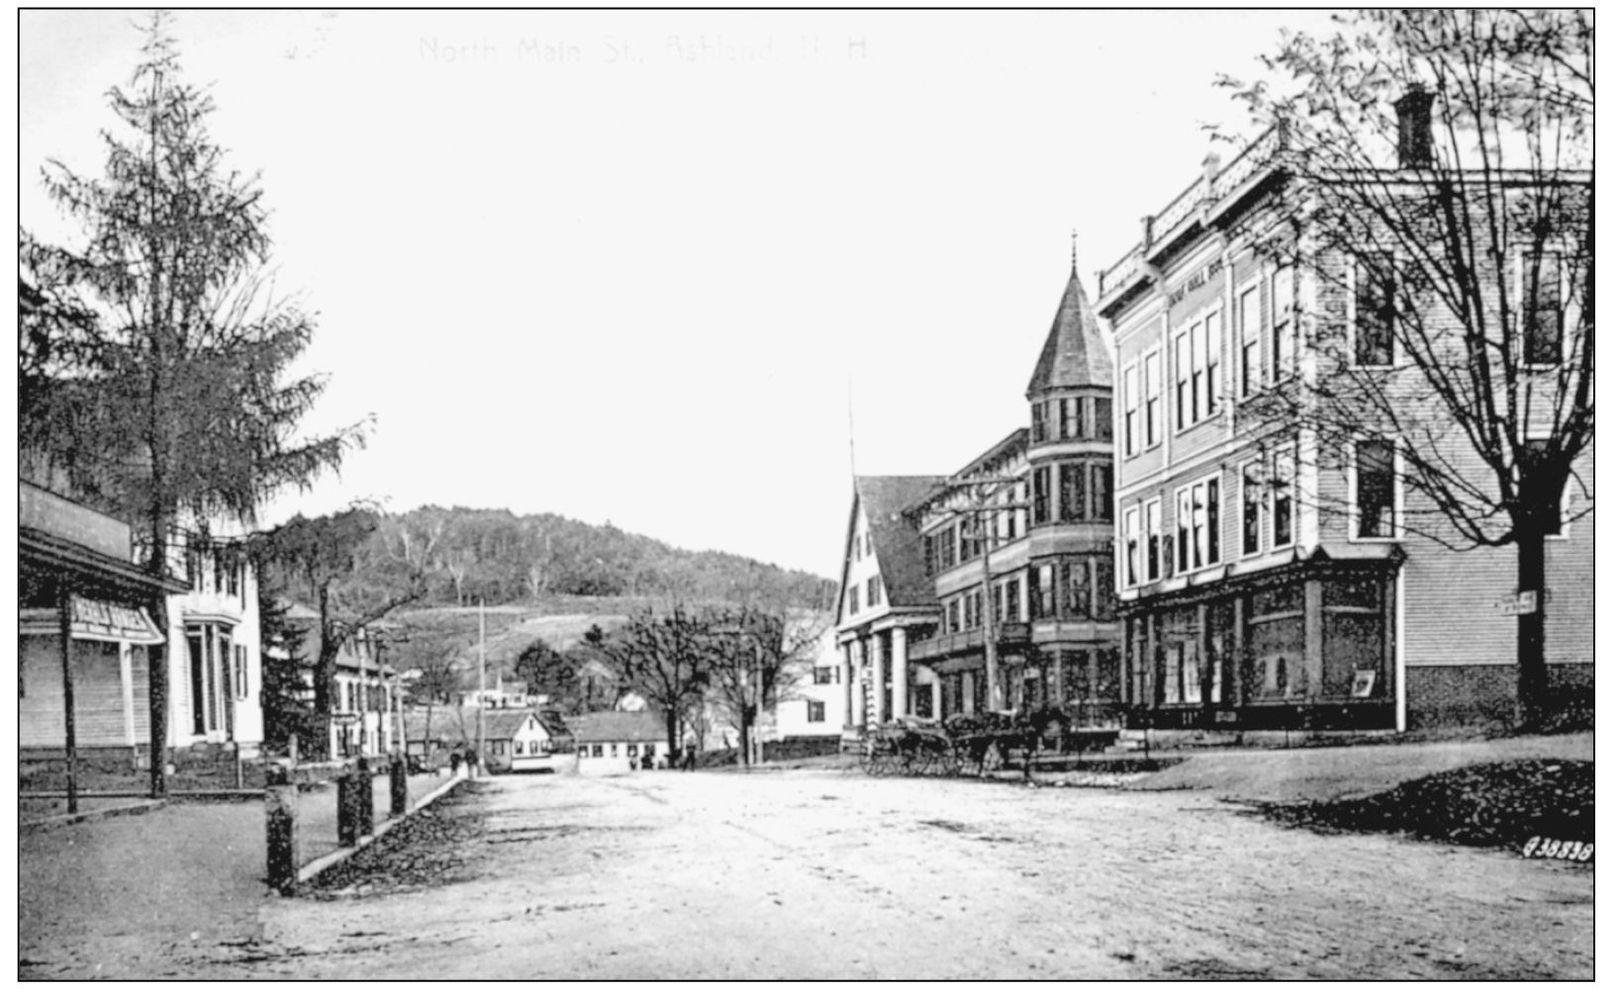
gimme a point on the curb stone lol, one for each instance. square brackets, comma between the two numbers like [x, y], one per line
[57, 821]
[337, 857]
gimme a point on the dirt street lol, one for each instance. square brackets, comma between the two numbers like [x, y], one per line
[828, 874]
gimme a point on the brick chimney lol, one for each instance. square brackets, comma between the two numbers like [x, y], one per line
[1415, 113]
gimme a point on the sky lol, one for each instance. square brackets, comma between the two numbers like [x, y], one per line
[650, 268]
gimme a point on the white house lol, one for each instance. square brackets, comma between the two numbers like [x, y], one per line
[812, 703]
[215, 665]
[619, 741]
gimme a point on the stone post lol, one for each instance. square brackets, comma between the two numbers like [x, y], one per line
[348, 810]
[398, 787]
[365, 798]
[280, 831]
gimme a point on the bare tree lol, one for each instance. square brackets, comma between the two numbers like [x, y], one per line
[665, 658]
[758, 657]
[1440, 194]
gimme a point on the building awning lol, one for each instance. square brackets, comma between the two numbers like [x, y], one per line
[95, 621]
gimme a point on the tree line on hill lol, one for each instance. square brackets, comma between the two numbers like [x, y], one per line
[500, 557]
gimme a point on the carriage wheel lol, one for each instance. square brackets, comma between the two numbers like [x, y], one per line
[870, 764]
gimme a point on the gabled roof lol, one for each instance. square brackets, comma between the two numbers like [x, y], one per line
[896, 544]
[1074, 355]
[618, 726]
[450, 725]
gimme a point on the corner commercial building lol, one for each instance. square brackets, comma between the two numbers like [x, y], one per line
[1268, 578]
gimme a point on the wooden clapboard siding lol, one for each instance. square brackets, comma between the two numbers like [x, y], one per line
[97, 691]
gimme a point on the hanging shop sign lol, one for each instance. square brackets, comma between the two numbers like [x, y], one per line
[95, 621]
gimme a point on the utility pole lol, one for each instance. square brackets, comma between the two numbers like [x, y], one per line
[981, 494]
[754, 744]
[481, 662]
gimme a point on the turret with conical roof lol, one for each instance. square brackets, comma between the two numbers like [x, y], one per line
[1071, 427]
[1074, 355]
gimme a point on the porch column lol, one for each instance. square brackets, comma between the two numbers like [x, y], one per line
[874, 665]
[899, 664]
[848, 685]
[126, 685]
[858, 672]
[969, 702]
[938, 697]
[1313, 630]
[65, 606]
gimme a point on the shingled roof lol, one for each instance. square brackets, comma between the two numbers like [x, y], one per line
[896, 543]
[451, 724]
[618, 726]
[1074, 355]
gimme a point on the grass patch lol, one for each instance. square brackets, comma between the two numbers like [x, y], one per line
[1489, 804]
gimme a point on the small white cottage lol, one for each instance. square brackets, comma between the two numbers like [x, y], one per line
[619, 741]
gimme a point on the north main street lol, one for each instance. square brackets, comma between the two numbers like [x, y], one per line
[830, 874]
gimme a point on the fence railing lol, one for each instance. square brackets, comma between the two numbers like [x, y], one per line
[1204, 190]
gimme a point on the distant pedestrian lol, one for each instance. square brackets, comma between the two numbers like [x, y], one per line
[689, 760]
[455, 762]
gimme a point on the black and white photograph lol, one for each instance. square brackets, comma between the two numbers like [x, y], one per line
[806, 495]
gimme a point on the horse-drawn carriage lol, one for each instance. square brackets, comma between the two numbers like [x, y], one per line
[966, 743]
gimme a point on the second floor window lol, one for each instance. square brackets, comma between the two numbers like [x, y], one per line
[1186, 381]
[1374, 488]
[1248, 329]
[1281, 500]
[1037, 419]
[1253, 508]
[1153, 386]
[1281, 323]
[1543, 308]
[854, 599]
[874, 591]
[1197, 531]
[1071, 491]
[1376, 306]
[1042, 495]
[1132, 414]
[1210, 357]
[824, 674]
[1043, 591]
[1102, 418]
[1101, 492]
[1132, 546]
[1155, 530]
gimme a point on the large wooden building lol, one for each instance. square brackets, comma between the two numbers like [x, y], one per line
[1270, 576]
[992, 588]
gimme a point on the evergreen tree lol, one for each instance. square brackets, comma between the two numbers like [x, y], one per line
[156, 378]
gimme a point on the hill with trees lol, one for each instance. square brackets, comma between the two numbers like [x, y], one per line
[504, 558]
